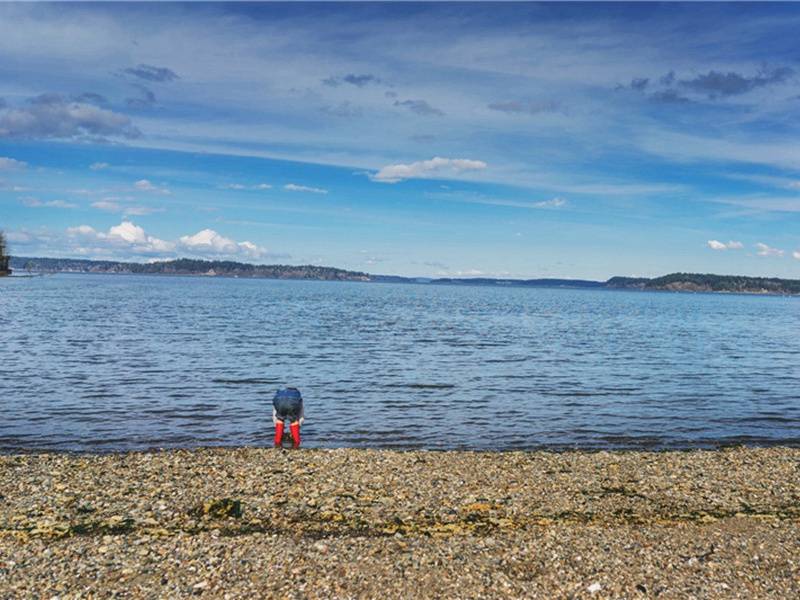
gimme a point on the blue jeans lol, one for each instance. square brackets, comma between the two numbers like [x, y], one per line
[288, 404]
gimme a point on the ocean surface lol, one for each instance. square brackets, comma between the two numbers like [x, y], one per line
[125, 362]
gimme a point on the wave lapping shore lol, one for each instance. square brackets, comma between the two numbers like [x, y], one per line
[354, 523]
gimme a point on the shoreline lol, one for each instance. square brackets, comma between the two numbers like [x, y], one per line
[356, 523]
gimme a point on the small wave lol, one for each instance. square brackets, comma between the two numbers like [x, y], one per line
[423, 386]
[247, 381]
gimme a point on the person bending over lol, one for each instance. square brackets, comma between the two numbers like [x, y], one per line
[288, 406]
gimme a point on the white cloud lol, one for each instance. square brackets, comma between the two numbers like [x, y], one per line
[138, 211]
[301, 188]
[108, 205]
[112, 204]
[145, 186]
[99, 166]
[33, 202]
[796, 255]
[554, 203]
[8, 165]
[209, 242]
[716, 245]
[764, 250]
[125, 237]
[129, 239]
[239, 186]
[426, 169]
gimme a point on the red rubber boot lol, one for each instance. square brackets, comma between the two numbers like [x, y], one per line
[278, 434]
[295, 429]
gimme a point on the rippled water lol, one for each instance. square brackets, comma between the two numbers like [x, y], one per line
[114, 362]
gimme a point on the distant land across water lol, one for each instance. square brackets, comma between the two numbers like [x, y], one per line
[678, 282]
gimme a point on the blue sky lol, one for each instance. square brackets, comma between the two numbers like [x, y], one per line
[527, 140]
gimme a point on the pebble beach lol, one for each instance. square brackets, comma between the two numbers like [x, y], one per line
[355, 523]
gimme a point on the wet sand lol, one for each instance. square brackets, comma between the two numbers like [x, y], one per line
[346, 523]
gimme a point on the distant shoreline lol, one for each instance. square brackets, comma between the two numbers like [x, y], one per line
[675, 282]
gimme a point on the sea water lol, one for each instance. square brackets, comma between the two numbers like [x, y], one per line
[124, 362]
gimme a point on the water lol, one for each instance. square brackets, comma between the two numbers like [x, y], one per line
[115, 362]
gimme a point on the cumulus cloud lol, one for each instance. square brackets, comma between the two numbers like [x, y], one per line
[151, 73]
[426, 169]
[210, 243]
[796, 255]
[52, 117]
[129, 239]
[302, 188]
[717, 245]
[526, 108]
[764, 250]
[125, 237]
[8, 165]
[420, 107]
[99, 166]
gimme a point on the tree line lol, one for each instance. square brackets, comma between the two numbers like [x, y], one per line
[697, 282]
[187, 266]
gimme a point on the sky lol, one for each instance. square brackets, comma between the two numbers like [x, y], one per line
[438, 139]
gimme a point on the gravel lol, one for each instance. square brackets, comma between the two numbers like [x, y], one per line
[354, 523]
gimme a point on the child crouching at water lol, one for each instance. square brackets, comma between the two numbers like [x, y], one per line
[288, 406]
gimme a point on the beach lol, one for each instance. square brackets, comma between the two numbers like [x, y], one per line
[359, 523]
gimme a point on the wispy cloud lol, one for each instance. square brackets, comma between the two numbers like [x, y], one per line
[421, 107]
[426, 169]
[352, 79]
[144, 185]
[717, 245]
[9, 165]
[302, 188]
[32, 202]
[151, 73]
[125, 207]
[713, 85]
[241, 186]
[767, 251]
[526, 108]
[50, 116]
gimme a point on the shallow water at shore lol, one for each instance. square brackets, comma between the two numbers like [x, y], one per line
[113, 362]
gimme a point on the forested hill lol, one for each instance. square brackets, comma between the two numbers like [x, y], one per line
[693, 282]
[678, 282]
[186, 266]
